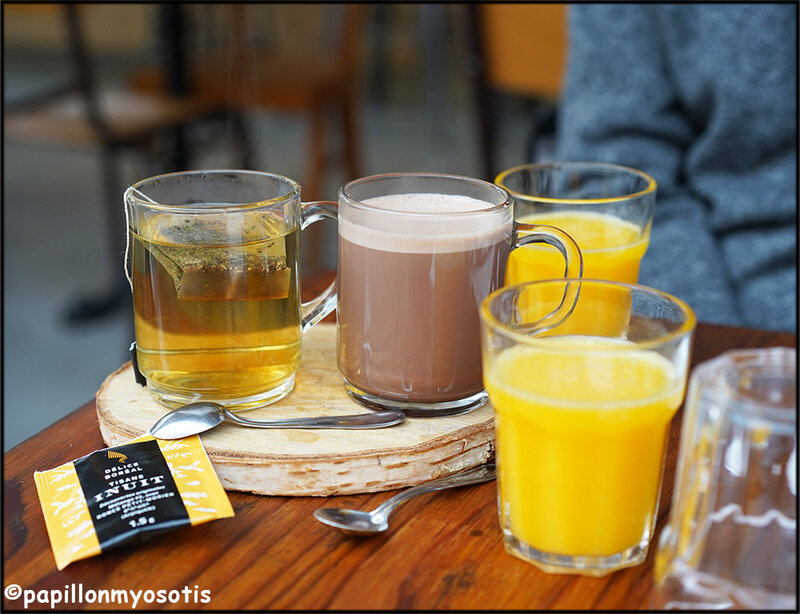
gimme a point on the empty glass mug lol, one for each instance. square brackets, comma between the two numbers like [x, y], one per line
[731, 540]
[214, 269]
[418, 252]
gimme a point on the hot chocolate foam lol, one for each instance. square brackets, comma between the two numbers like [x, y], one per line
[424, 223]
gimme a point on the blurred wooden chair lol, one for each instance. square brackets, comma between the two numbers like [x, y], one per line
[242, 72]
[521, 50]
[81, 113]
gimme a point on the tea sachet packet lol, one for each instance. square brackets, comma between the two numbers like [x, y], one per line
[210, 261]
[127, 494]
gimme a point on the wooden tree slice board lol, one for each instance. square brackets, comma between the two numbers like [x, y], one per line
[312, 462]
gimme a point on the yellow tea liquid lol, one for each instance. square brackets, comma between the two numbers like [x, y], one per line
[216, 308]
[581, 427]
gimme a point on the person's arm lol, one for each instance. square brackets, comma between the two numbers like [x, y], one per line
[618, 106]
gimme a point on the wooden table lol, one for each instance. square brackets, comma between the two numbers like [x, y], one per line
[444, 551]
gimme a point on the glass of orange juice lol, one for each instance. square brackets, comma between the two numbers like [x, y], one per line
[606, 208]
[581, 417]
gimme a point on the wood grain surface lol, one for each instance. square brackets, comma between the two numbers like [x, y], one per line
[312, 462]
[444, 551]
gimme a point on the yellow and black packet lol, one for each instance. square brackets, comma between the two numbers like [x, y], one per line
[127, 494]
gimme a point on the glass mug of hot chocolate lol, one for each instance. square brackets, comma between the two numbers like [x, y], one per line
[418, 252]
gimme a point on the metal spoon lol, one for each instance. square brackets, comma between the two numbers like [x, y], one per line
[365, 524]
[198, 417]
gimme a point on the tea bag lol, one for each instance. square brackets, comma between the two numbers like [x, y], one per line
[126, 493]
[209, 260]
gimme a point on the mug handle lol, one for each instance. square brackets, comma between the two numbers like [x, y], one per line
[573, 268]
[323, 304]
[539, 233]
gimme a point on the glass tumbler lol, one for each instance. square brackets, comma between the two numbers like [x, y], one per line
[606, 208]
[582, 418]
[731, 540]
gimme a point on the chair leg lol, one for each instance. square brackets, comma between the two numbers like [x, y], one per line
[350, 138]
[542, 127]
[242, 141]
[113, 190]
[312, 185]
[312, 189]
[116, 296]
[481, 94]
[432, 30]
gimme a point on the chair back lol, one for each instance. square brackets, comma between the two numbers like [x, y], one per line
[525, 48]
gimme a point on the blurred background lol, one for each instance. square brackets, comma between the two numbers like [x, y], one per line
[98, 96]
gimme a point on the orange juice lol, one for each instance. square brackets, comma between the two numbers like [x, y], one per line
[612, 248]
[581, 427]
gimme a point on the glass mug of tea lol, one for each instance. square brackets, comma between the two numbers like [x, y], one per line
[214, 261]
[418, 252]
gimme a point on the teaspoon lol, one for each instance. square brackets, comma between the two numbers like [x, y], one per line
[199, 417]
[364, 524]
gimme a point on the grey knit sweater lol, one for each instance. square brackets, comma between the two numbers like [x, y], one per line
[702, 97]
